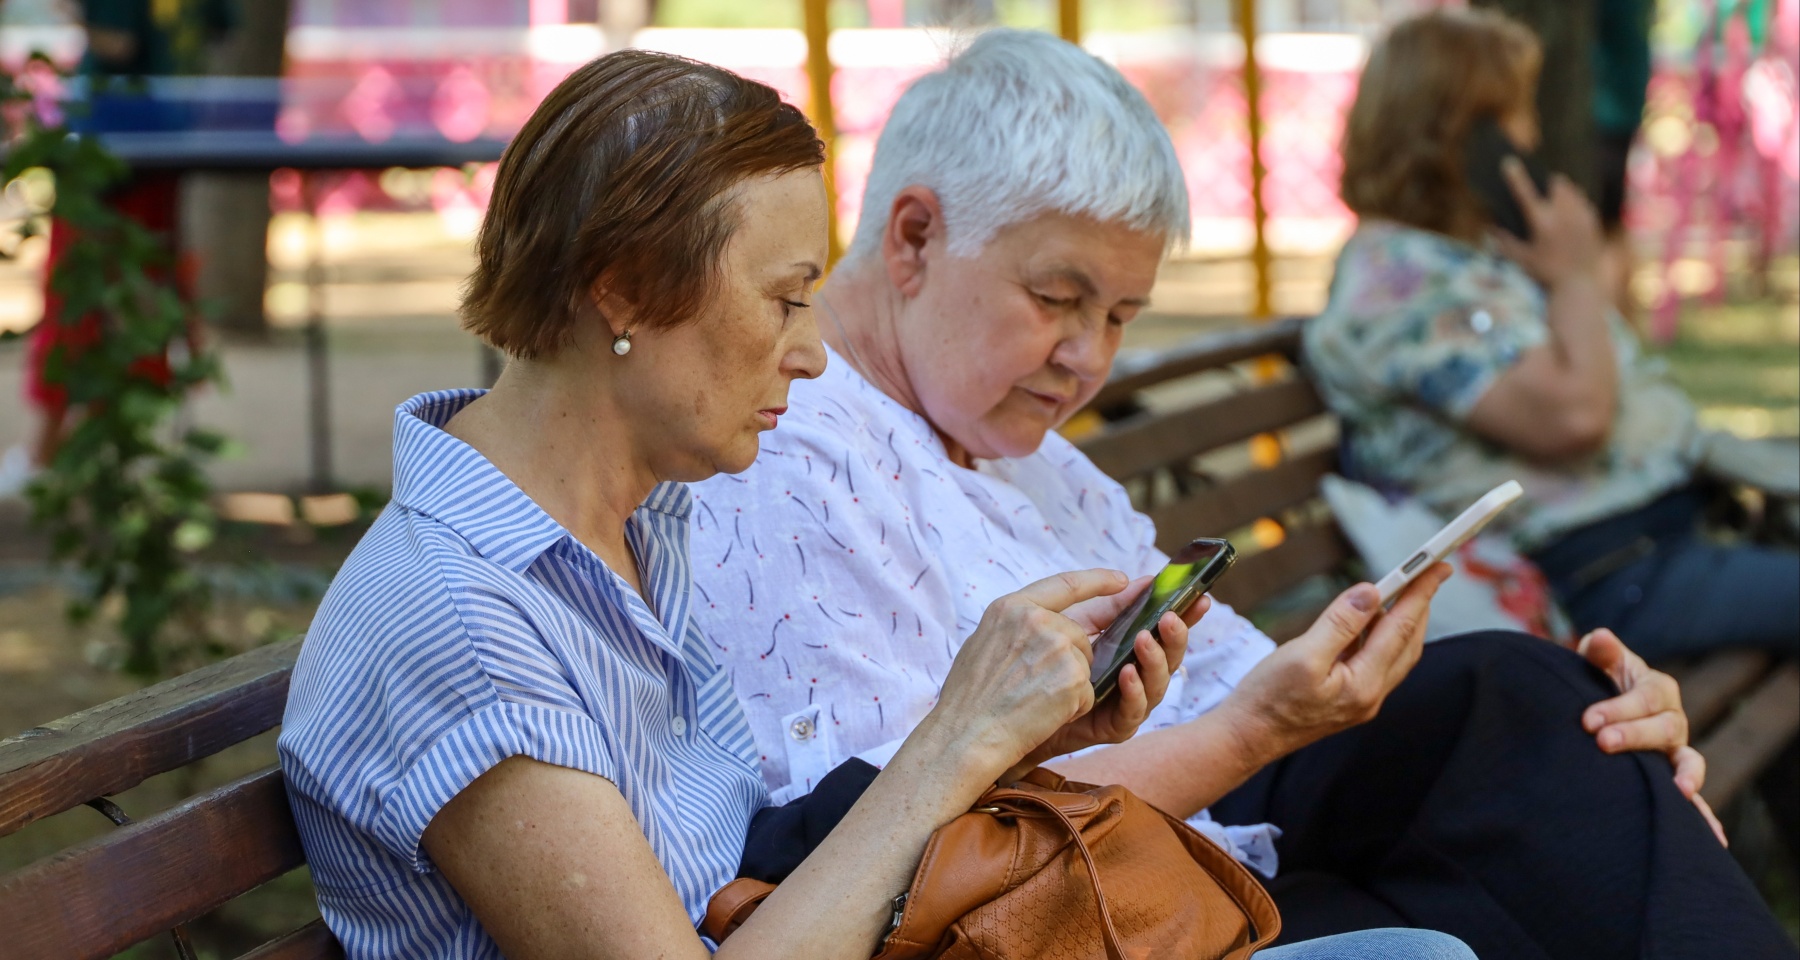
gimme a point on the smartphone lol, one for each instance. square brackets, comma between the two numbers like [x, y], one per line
[1443, 543]
[1486, 146]
[1191, 572]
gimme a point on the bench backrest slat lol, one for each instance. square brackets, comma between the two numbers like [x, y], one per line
[1151, 440]
[311, 942]
[95, 899]
[120, 744]
[1710, 688]
[1131, 374]
[1745, 743]
[1242, 500]
[1307, 551]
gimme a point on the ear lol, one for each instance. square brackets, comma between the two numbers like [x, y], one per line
[614, 312]
[915, 229]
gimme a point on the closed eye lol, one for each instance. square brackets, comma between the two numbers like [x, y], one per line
[789, 306]
[1060, 303]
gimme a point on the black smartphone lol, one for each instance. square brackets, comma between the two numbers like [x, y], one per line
[1191, 572]
[1486, 147]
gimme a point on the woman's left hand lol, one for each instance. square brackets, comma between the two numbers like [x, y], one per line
[1647, 715]
[1141, 684]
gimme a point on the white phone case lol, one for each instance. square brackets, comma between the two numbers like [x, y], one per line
[1445, 541]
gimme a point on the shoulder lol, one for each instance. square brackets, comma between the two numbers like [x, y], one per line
[412, 636]
[392, 597]
[1398, 287]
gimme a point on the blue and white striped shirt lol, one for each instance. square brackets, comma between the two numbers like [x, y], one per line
[468, 627]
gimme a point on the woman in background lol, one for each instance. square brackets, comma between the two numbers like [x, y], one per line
[1460, 356]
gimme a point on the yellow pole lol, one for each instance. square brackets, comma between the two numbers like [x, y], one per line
[1068, 20]
[1259, 215]
[818, 73]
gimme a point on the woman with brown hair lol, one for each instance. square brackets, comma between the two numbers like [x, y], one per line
[1460, 356]
[505, 735]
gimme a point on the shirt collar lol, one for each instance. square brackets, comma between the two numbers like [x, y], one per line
[446, 479]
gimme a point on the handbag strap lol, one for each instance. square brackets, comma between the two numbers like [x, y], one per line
[1108, 934]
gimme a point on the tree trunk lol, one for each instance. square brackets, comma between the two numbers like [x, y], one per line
[227, 214]
[1565, 97]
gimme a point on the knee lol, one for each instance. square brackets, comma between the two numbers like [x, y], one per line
[1529, 685]
[1422, 945]
[1519, 660]
[1390, 943]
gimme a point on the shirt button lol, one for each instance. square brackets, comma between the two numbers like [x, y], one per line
[1482, 321]
[678, 726]
[801, 729]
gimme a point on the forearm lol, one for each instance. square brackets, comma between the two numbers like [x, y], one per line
[1181, 769]
[839, 902]
[1582, 344]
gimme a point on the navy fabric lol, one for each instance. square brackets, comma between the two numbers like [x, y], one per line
[1475, 804]
[1667, 591]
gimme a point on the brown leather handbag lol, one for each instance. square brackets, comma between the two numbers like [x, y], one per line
[1049, 868]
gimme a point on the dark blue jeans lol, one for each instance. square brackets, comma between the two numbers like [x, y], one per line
[1667, 591]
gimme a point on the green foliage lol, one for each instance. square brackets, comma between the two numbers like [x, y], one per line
[125, 500]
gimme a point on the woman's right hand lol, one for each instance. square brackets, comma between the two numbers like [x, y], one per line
[1566, 240]
[1333, 677]
[1022, 674]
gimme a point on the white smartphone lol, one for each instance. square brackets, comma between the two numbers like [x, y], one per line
[1445, 541]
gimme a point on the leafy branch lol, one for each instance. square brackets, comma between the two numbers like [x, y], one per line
[126, 500]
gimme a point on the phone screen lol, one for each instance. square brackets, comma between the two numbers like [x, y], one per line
[1191, 571]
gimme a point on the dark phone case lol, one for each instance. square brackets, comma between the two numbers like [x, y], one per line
[1202, 583]
[1486, 147]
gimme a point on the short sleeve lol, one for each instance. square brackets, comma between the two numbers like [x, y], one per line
[471, 747]
[1419, 320]
[402, 705]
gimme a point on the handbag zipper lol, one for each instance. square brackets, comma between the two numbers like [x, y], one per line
[899, 905]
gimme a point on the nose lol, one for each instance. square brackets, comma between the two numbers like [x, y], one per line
[1087, 352]
[804, 358]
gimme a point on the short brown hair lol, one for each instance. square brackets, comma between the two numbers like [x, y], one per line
[624, 173]
[1425, 85]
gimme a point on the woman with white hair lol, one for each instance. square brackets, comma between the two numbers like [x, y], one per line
[1020, 202]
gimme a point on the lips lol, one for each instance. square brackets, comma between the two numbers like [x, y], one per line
[1052, 400]
[772, 415]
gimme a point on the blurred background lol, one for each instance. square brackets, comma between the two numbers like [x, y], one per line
[334, 171]
[378, 253]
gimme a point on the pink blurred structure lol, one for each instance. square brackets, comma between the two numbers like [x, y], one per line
[1731, 174]
[1719, 165]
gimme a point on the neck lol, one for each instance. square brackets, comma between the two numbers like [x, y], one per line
[554, 428]
[862, 323]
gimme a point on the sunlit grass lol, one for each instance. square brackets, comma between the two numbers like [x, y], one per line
[1741, 364]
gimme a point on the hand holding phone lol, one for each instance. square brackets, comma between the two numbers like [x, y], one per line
[1443, 543]
[1484, 152]
[1191, 572]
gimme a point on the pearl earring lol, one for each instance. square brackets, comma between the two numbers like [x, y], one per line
[622, 343]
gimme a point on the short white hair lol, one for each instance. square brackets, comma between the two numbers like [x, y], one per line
[1019, 124]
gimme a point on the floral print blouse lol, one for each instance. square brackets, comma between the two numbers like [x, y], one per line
[1418, 326]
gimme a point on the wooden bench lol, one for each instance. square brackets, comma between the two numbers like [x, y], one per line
[1225, 431]
[143, 879]
[1185, 456]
